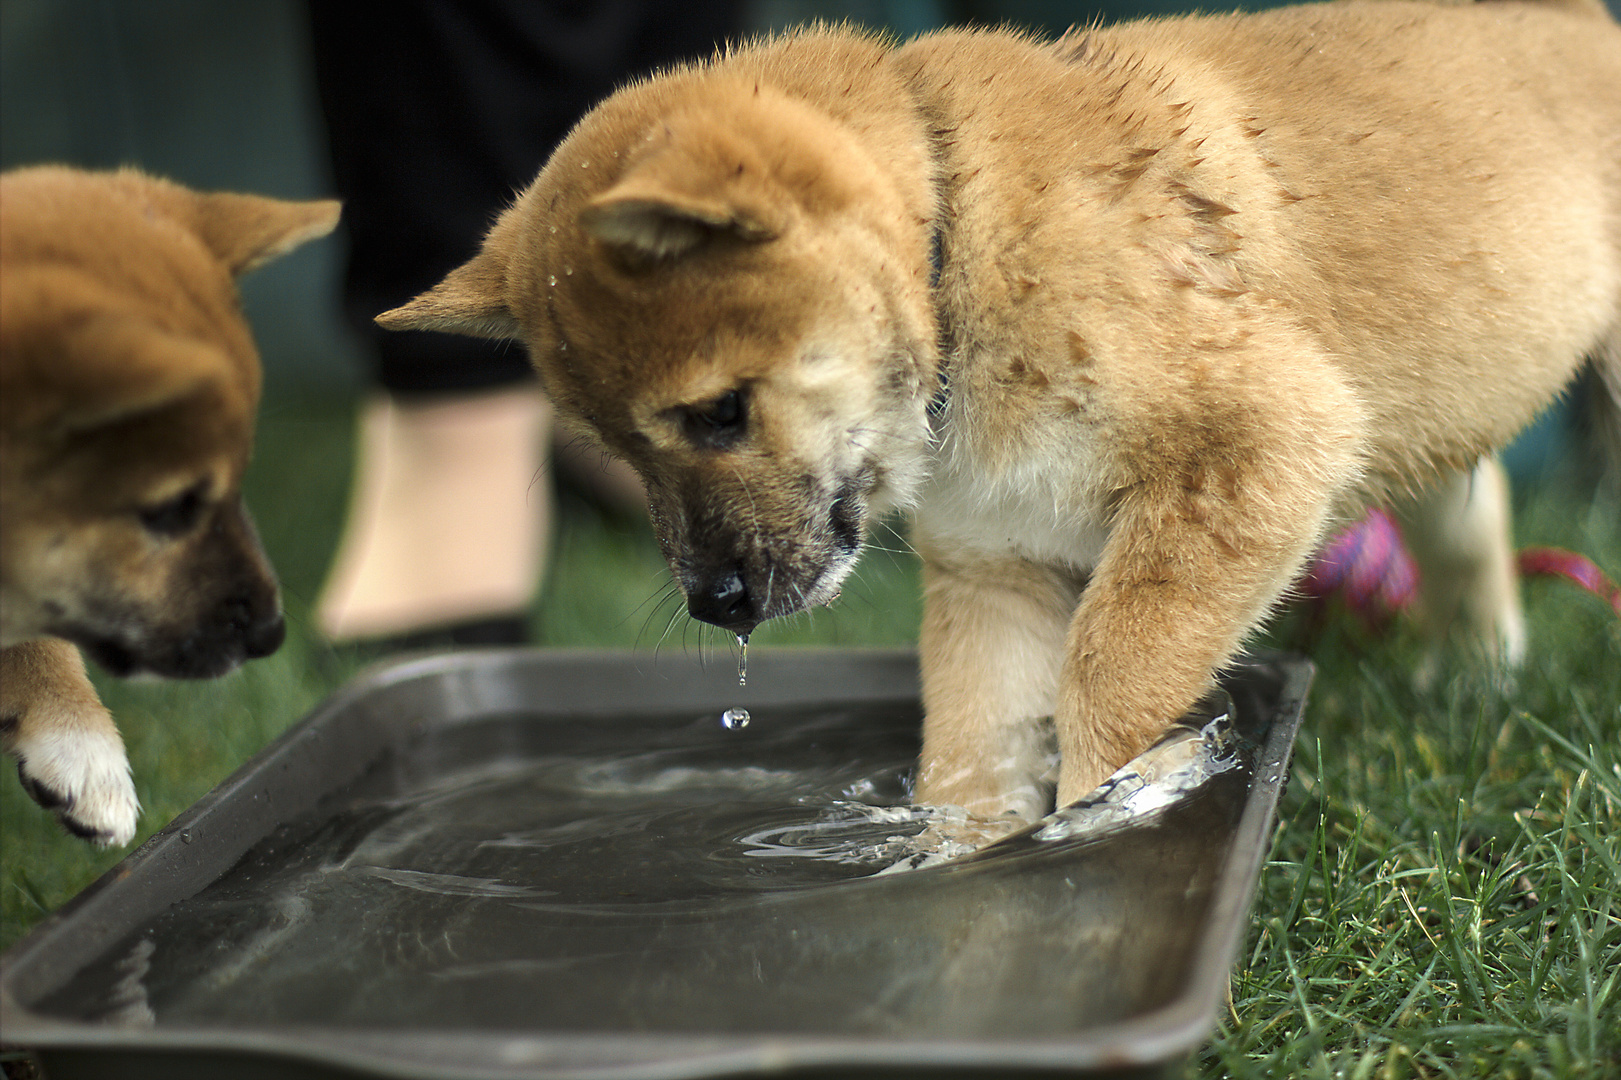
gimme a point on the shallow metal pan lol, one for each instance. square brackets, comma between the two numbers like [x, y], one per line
[441, 872]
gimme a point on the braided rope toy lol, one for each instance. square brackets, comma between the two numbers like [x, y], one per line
[1557, 562]
[1368, 565]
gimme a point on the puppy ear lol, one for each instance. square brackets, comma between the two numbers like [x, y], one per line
[471, 301]
[703, 183]
[643, 229]
[247, 231]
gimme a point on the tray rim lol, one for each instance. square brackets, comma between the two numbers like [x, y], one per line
[1173, 1029]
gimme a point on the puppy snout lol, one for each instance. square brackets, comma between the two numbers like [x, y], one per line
[249, 618]
[725, 600]
[261, 632]
[246, 626]
[266, 638]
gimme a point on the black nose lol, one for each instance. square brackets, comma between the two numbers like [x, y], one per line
[256, 622]
[724, 600]
[265, 638]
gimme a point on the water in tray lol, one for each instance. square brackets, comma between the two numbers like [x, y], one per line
[663, 874]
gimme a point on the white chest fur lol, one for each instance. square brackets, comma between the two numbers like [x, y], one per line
[1035, 509]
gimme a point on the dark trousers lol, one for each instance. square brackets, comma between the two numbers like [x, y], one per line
[439, 111]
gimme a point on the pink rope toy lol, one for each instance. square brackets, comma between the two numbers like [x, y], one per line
[1369, 566]
[1557, 562]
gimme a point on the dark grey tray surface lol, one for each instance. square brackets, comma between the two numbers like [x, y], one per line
[536, 863]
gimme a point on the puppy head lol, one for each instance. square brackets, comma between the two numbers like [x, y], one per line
[723, 286]
[128, 386]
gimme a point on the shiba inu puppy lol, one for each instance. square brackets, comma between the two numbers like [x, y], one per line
[128, 386]
[1127, 320]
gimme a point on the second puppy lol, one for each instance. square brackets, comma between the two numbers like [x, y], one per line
[129, 383]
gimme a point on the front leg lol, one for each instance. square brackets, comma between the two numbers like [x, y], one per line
[1198, 554]
[990, 647]
[69, 756]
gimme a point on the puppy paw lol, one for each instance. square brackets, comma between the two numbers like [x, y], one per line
[952, 831]
[83, 777]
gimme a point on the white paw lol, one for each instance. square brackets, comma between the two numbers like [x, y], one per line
[82, 777]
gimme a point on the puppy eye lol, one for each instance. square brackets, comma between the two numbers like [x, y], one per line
[175, 516]
[716, 424]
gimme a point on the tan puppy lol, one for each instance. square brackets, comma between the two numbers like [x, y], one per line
[128, 385]
[1198, 289]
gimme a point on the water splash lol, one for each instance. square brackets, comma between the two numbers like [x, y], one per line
[845, 833]
[1181, 762]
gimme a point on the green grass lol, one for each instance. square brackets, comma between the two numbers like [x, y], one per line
[1444, 893]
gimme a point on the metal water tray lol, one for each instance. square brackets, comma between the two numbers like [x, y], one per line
[557, 864]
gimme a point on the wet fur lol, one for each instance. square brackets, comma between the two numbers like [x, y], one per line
[1128, 321]
[128, 387]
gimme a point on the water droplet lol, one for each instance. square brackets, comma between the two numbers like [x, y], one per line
[734, 719]
[568, 271]
[742, 659]
[185, 836]
[551, 279]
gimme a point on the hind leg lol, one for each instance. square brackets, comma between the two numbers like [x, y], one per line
[1460, 536]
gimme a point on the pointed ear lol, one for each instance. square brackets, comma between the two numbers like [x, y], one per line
[642, 229]
[247, 231]
[471, 301]
[703, 184]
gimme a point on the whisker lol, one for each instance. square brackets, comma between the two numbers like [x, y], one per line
[669, 595]
[870, 546]
[890, 526]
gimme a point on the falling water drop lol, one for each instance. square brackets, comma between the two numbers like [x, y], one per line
[742, 660]
[734, 719]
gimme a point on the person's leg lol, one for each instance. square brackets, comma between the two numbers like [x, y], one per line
[449, 516]
[435, 117]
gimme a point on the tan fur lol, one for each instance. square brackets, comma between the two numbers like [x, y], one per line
[128, 386]
[1206, 286]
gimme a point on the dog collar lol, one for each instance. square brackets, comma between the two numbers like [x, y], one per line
[937, 257]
